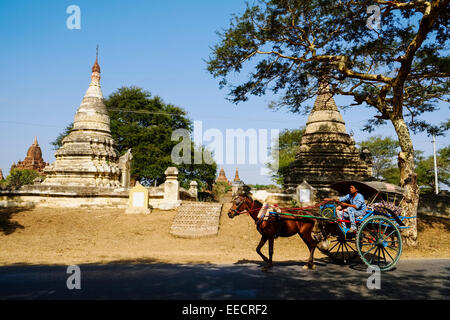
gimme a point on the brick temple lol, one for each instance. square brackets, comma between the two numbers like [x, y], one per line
[33, 159]
[222, 177]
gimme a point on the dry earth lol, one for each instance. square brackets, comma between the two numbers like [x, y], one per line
[76, 236]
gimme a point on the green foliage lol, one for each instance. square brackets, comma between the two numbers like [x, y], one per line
[295, 203]
[383, 150]
[289, 46]
[288, 146]
[262, 186]
[145, 124]
[220, 189]
[425, 170]
[204, 174]
[20, 177]
[391, 174]
[206, 197]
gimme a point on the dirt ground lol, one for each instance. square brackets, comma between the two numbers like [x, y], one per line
[77, 236]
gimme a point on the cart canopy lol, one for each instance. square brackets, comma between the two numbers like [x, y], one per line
[367, 188]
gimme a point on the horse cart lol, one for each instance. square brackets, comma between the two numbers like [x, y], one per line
[377, 241]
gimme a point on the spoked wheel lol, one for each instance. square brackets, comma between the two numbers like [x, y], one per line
[340, 249]
[379, 242]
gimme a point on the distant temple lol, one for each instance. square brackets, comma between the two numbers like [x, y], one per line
[327, 153]
[88, 155]
[236, 176]
[222, 177]
[33, 160]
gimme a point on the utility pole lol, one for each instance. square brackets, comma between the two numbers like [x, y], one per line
[436, 183]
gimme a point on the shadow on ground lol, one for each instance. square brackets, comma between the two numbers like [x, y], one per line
[431, 221]
[7, 226]
[156, 280]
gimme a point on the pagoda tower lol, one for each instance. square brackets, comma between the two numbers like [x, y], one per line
[222, 177]
[236, 176]
[87, 157]
[33, 159]
[327, 153]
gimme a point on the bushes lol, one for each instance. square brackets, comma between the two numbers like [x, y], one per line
[18, 178]
[220, 189]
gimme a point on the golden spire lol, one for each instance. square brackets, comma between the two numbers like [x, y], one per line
[236, 176]
[96, 66]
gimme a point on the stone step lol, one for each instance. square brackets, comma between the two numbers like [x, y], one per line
[196, 219]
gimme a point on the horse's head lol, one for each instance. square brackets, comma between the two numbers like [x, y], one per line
[239, 206]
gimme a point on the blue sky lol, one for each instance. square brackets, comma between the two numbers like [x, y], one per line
[157, 45]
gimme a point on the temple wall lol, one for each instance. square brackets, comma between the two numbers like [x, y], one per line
[60, 201]
[40, 195]
[48, 200]
[435, 204]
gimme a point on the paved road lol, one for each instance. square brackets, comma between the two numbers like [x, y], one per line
[413, 279]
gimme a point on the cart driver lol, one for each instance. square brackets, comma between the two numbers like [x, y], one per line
[351, 206]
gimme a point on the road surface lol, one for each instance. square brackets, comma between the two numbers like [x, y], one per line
[412, 279]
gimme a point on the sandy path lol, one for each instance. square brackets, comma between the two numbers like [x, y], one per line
[74, 236]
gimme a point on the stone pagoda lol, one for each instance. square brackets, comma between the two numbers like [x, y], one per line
[222, 177]
[236, 176]
[327, 153]
[237, 184]
[33, 160]
[87, 157]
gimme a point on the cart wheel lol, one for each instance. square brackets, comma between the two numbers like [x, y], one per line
[379, 242]
[340, 249]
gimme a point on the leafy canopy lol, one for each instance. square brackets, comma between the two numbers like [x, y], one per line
[288, 46]
[383, 151]
[19, 177]
[288, 145]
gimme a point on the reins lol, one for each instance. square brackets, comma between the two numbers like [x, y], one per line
[286, 215]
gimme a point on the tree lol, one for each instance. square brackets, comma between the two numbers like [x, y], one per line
[383, 150]
[288, 145]
[145, 124]
[425, 170]
[391, 174]
[20, 177]
[401, 69]
[203, 173]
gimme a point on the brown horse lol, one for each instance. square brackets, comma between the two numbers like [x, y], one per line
[276, 226]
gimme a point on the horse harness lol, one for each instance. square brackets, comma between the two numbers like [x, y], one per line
[317, 233]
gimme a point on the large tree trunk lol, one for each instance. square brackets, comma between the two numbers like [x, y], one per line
[408, 180]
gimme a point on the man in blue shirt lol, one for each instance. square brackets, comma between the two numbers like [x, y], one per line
[351, 206]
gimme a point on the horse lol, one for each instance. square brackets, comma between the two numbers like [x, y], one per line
[277, 226]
